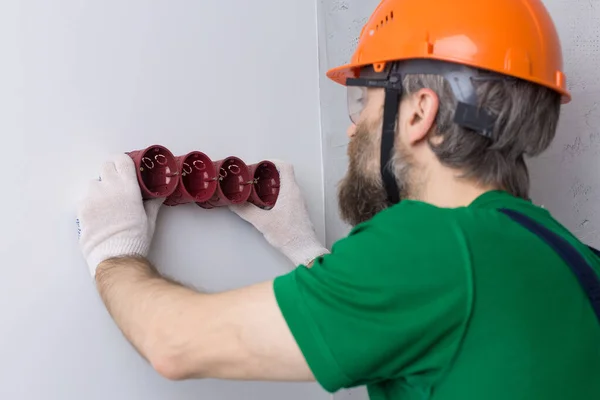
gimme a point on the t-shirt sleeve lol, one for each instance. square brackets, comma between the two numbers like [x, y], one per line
[382, 305]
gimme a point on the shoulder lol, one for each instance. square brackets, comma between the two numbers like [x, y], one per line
[410, 233]
[409, 217]
[412, 249]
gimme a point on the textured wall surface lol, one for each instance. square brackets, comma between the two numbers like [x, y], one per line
[565, 179]
[82, 80]
[339, 24]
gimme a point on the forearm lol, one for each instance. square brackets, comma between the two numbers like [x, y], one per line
[238, 334]
[145, 306]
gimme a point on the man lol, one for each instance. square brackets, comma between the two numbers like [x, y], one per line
[451, 285]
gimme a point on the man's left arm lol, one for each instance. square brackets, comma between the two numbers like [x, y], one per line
[238, 334]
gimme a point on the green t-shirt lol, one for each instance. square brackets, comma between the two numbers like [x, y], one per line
[423, 302]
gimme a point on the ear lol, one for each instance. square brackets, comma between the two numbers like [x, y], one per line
[422, 108]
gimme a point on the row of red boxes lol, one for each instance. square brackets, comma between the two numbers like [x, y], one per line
[195, 178]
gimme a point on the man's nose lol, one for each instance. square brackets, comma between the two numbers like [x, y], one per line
[351, 131]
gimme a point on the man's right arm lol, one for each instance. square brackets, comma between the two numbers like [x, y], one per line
[375, 309]
[184, 334]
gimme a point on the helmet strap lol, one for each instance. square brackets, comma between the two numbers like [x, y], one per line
[388, 134]
[468, 113]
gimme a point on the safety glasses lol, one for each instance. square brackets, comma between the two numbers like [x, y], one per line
[357, 89]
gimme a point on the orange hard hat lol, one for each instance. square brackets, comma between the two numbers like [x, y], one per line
[512, 37]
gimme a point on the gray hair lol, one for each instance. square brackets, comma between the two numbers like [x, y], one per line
[527, 118]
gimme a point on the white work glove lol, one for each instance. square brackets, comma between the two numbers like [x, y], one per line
[287, 226]
[112, 218]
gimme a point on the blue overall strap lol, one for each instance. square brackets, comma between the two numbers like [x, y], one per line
[595, 251]
[583, 271]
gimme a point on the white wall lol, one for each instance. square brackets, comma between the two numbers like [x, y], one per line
[565, 180]
[82, 80]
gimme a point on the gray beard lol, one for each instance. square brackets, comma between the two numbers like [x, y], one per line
[362, 195]
[360, 198]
